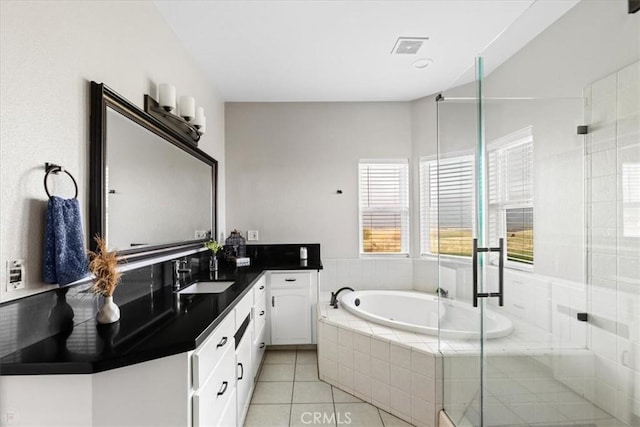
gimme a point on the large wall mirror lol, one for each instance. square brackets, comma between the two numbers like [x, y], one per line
[150, 188]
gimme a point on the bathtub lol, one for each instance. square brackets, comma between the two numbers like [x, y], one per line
[425, 314]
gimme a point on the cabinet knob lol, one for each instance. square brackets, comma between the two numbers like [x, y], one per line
[223, 388]
[262, 287]
[222, 342]
[261, 345]
[262, 313]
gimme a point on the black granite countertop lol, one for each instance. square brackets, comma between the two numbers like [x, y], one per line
[158, 324]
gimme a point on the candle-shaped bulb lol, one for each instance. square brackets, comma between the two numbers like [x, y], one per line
[199, 118]
[187, 107]
[203, 126]
[167, 97]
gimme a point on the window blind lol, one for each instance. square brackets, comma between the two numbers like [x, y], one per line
[511, 194]
[384, 207]
[447, 199]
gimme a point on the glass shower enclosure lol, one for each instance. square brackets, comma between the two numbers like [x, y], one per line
[538, 207]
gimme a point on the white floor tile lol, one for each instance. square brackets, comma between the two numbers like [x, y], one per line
[306, 357]
[268, 416]
[359, 414]
[312, 392]
[340, 396]
[315, 414]
[392, 421]
[272, 392]
[280, 356]
[274, 372]
[307, 373]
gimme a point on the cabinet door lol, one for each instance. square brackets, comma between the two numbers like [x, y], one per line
[290, 316]
[259, 347]
[244, 371]
[216, 393]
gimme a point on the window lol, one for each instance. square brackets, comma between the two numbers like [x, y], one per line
[384, 207]
[511, 194]
[447, 216]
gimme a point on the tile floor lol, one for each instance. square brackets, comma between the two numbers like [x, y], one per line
[289, 393]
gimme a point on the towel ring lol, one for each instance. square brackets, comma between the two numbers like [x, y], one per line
[55, 169]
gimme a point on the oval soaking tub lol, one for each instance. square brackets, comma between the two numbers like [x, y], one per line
[419, 312]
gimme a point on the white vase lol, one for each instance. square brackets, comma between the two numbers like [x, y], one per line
[109, 312]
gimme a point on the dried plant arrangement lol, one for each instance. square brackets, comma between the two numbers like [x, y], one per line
[104, 265]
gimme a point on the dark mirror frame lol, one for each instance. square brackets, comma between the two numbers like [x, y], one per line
[102, 97]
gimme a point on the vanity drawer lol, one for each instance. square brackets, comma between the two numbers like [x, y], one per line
[243, 308]
[219, 389]
[208, 356]
[228, 417]
[259, 289]
[259, 316]
[259, 347]
[290, 280]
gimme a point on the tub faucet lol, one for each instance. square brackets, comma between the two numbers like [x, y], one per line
[334, 296]
[443, 293]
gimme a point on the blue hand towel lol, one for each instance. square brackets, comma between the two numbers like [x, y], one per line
[65, 259]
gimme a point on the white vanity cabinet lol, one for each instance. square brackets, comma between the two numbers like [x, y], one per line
[210, 386]
[213, 376]
[259, 335]
[244, 375]
[291, 304]
[244, 362]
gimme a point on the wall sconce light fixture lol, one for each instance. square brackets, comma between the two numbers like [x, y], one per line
[183, 117]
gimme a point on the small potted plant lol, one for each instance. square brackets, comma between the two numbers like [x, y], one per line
[104, 265]
[214, 247]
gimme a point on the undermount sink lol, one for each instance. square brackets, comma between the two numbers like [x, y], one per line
[206, 288]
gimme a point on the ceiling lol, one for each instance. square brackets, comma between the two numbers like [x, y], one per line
[303, 50]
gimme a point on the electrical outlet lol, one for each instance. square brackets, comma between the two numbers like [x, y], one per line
[15, 275]
[202, 234]
[252, 235]
[11, 417]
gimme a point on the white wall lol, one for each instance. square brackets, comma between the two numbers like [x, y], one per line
[592, 40]
[288, 159]
[49, 51]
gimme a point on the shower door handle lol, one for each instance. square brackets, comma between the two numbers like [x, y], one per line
[500, 293]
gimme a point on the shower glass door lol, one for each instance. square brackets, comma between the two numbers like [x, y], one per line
[541, 373]
[547, 163]
[510, 198]
[455, 210]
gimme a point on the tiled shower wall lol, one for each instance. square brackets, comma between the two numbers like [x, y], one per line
[612, 112]
[371, 273]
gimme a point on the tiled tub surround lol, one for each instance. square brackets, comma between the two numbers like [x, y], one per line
[533, 376]
[372, 363]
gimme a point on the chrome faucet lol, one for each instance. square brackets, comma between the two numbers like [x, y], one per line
[443, 293]
[179, 267]
[334, 296]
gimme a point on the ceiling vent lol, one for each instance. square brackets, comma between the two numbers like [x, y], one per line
[408, 45]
